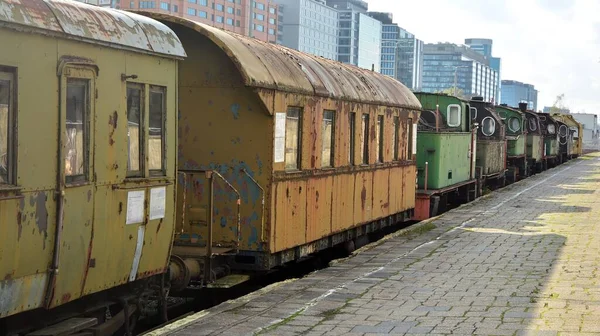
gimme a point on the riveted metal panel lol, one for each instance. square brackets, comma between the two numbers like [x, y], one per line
[381, 193]
[363, 197]
[91, 23]
[319, 203]
[290, 214]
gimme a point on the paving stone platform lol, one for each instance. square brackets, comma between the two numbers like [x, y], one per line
[523, 260]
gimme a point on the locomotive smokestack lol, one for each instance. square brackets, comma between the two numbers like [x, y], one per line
[523, 107]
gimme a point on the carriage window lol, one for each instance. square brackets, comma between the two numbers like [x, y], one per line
[409, 139]
[380, 138]
[76, 130]
[156, 133]
[352, 139]
[328, 139]
[364, 140]
[453, 115]
[395, 138]
[292, 138]
[135, 133]
[6, 127]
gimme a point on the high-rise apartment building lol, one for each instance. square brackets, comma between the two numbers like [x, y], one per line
[445, 64]
[359, 34]
[514, 92]
[401, 52]
[484, 47]
[255, 18]
[309, 26]
[101, 3]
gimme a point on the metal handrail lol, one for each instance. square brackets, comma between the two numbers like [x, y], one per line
[209, 173]
[209, 244]
[262, 212]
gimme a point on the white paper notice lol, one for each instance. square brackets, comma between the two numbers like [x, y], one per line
[414, 139]
[279, 150]
[138, 252]
[135, 206]
[157, 202]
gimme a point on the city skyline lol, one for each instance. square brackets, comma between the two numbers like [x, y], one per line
[528, 44]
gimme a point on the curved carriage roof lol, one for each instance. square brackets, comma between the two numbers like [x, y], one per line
[266, 65]
[92, 24]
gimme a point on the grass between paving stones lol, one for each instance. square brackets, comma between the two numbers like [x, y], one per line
[280, 323]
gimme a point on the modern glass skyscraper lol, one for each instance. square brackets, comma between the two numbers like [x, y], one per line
[514, 92]
[484, 47]
[474, 76]
[309, 26]
[359, 34]
[401, 52]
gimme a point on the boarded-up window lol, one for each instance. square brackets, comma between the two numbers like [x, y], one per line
[292, 138]
[396, 138]
[364, 140]
[328, 139]
[156, 132]
[380, 138]
[409, 139]
[76, 131]
[6, 127]
[352, 138]
[135, 130]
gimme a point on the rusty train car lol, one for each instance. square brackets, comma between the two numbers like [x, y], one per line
[282, 154]
[88, 101]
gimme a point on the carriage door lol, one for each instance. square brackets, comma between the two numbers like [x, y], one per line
[76, 179]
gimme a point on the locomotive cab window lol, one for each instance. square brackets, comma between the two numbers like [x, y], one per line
[77, 144]
[514, 124]
[532, 124]
[473, 112]
[292, 138]
[488, 126]
[454, 115]
[7, 118]
[328, 135]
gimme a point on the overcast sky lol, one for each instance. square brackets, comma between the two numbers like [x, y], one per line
[552, 44]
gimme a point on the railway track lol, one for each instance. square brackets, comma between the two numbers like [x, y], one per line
[200, 299]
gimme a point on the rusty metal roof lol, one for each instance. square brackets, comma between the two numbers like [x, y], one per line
[92, 24]
[266, 65]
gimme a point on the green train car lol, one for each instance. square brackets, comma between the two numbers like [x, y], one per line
[445, 154]
[516, 142]
[549, 128]
[491, 145]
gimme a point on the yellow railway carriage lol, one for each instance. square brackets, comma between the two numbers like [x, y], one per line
[282, 153]
[87, 158]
